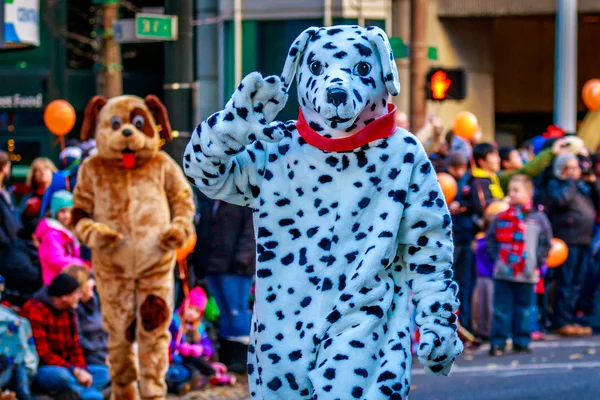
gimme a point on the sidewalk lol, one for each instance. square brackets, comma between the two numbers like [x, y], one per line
[558, 369]
[237, 392]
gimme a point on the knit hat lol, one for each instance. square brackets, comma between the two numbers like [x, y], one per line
[70, 154]
[61, 199]
[62, 285]
[537, 143]
[457, 159]
[197, 298]
[559, 163]
[88, 148]
[32, 207]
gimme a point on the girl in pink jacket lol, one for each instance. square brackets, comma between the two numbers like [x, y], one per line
[58, 247]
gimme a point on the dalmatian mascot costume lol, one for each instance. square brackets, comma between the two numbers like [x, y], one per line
[349, 220]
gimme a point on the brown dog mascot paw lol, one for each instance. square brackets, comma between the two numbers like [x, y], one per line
[133, 207]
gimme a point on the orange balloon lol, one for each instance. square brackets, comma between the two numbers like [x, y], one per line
[558, 253]
[465, 125]
[183, 252]
[591, 94]
[59, 117]
[496, 208]
[448, 185]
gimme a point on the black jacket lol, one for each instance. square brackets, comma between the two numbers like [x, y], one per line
[572, 210]
[480, 195]
[9, 223]
[22, 271]
[462, 223]
[227, 236]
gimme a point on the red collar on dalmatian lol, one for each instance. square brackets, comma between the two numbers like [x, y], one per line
[382, 127]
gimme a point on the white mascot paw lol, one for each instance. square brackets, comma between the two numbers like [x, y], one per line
[249, 114]
[438, 348]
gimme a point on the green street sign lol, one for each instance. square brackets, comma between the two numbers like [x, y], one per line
[156, 26]
[399, 49]
[432, 53]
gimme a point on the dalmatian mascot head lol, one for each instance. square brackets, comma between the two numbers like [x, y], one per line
[345, 75]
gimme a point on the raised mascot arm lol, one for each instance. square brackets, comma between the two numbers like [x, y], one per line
[226, 156]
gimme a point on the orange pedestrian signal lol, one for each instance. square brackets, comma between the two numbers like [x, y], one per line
[439, 85]
[445, 84]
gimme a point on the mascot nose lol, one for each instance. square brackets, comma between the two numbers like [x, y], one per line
[336, 96]
[127, 132]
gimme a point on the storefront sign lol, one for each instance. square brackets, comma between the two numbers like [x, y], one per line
[21, 23]
[21, 101]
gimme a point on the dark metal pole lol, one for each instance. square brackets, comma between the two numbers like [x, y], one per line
[179, 76]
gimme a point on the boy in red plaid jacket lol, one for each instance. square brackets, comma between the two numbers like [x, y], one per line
[517, 242]
[51, 313]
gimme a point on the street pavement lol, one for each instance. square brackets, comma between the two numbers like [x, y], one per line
[558, 369]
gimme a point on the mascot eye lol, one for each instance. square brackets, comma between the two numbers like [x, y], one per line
[316, 68]
[115, 123]
[362, 68]
[139, 121]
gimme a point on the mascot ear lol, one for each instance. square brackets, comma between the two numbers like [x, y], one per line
[159, 112]
[88, 128]
[390, 72]
[295, 55]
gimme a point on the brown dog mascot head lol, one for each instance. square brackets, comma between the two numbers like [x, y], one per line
[128, 129]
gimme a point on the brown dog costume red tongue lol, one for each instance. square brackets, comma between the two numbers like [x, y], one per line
[128, 160]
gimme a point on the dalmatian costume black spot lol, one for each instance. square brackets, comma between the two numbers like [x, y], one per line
[343, 237]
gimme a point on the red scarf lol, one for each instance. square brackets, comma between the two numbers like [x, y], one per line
[510, 234]
[382, 127]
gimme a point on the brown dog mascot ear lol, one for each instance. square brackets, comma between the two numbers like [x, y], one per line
[89, 117]
[159, 112]
[156, 107]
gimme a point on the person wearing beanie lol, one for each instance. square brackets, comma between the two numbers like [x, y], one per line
[574, 201]
[51, 313]
[58, 247]
[92, 337]
[22, 268]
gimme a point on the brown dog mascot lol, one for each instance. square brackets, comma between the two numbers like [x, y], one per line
[133, 207]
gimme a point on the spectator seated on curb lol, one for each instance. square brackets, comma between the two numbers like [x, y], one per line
[51, 313]
[92, 337]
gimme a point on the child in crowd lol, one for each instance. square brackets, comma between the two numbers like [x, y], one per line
[58, 247]
[485, 185]
[518, 242]
[190, 343]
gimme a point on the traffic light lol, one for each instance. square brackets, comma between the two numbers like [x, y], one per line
[446, 84]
